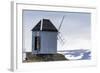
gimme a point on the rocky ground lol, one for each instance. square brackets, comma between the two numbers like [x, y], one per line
[44, 57]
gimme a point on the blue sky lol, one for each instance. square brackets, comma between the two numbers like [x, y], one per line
[75, 29]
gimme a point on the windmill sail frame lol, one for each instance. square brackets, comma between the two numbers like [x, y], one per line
[59, 33]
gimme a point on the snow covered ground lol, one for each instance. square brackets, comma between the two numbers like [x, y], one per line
[79, 54]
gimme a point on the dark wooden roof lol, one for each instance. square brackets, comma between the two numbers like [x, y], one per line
[46, 26]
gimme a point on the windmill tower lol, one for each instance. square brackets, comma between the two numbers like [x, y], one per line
[45, 36]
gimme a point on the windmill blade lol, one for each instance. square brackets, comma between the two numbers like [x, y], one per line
[59, 34]
[61, 23]
[61, 40]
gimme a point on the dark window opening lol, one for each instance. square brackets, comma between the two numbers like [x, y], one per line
[37, 43]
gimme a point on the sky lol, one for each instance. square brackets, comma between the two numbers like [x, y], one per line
[75, 29]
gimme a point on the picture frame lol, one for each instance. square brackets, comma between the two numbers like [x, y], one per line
[17, 39]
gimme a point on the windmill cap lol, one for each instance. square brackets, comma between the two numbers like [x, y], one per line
[47, 25]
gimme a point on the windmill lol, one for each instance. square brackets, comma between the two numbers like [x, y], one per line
[43, 32]
[59, 36]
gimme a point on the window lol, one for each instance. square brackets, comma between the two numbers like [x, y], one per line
[37, 43]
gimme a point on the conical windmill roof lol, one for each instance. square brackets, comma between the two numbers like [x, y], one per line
[47, 25]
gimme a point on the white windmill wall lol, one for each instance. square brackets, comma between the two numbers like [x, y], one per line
[48, 42]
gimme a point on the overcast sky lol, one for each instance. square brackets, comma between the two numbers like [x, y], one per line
[75, 29]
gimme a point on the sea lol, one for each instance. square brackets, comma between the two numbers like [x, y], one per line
[77, 54]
